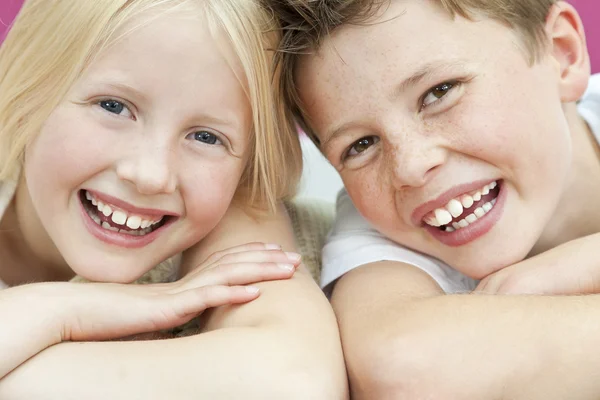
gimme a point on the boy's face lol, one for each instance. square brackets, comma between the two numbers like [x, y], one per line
[433, 121]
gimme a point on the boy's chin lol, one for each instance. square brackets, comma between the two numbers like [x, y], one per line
[479, 267]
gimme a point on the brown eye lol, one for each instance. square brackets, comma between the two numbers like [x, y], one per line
[437, 93]
[362, 145]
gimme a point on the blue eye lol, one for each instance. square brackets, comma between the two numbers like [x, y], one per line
[206, 137]
[115, 107]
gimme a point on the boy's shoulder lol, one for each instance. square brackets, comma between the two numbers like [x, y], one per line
[353, 242]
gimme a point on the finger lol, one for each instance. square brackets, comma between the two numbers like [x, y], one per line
[261, 256]
[194, 301]
[241, 248]
[244, 273]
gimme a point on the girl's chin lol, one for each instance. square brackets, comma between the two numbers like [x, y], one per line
[114, 274]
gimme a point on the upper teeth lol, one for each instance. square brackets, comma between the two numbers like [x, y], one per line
[456, 207]
[121, 217]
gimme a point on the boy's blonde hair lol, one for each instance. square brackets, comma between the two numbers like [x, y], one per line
[306, 23]
[53, 41]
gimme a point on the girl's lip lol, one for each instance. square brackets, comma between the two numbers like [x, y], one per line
[120, 239]
[130, 208]
[475, 230]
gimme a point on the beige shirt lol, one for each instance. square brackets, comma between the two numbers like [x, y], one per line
[7, 191]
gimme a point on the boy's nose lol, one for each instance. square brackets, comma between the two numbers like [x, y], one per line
[150, 169]
[415, 164]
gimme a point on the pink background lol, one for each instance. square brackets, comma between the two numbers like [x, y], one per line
[589, 10]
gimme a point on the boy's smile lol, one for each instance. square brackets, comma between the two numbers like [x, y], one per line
[418, 112]
[471, 212]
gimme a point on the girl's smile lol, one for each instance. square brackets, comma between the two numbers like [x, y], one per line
[122, 224]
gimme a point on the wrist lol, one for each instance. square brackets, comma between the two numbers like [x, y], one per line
[41, 307]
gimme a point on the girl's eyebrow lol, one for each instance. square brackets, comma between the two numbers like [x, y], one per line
[113, 84]
[125, 88]
[229, 120]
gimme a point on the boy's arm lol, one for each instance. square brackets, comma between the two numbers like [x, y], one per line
[284, 345]
[568, 269]
[403, 338]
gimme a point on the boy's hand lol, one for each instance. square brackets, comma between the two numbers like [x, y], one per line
[570, 269]
[101, 311]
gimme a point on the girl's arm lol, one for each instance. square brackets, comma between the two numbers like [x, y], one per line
[283, 345]
[40, 315]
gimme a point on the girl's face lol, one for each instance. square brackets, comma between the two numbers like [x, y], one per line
[142, 158]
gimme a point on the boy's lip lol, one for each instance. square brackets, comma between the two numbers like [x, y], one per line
[130, 208]
[476, 230]
[440, 202]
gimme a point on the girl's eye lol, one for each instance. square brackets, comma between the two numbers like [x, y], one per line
[115, 107]
[362, 145]
[437, 93]
[206, 137]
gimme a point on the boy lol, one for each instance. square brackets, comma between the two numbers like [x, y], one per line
[455, 129]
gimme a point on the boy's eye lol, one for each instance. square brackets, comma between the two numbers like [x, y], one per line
[115, 107]
[437, 93]
[362, 145]
[206, 137]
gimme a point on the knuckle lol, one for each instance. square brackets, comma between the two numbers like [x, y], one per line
[217, 255]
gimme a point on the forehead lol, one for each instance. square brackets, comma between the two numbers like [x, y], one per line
[178, 41]
[407, 37]
[174, 55]
[404, 34]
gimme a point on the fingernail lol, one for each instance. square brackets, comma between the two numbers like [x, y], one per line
[272, 246]
[287, 267]
[293, 256]
[252, 289]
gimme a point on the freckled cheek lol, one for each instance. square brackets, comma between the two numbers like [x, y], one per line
[486, 135]
[372, 197]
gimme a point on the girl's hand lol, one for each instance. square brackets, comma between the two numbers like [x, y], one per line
[102, 311]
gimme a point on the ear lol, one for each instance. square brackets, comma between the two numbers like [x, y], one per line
[564, 30]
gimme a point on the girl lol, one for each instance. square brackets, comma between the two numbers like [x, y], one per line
[129, 127]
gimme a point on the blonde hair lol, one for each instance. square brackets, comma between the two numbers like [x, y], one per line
[53, 41]
[306, 23]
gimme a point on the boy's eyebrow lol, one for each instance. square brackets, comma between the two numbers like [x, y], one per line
[422, 73]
